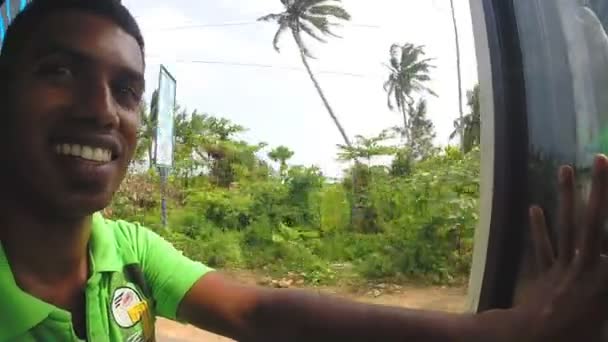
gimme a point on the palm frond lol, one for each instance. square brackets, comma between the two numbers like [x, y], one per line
[331, 33]
[422, 68]
[282, 28]
[310, 30]
[391, 69]
[395, 53]
[330, 10]
[421, 107]
[419, 87]
[409, 56]
[454, 134]
[400, 100]
[321, 23]
[466, 122]
[389, 87]
[272, 17]
[306, 4]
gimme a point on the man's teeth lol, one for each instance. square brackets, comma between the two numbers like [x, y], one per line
[85, 152]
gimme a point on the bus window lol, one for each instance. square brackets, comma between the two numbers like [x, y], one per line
[545, 64]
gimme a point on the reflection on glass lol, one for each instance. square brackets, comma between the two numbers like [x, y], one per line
[588, 56]
[564, 46]
[565, 54]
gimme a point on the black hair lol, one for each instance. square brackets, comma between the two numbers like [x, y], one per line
[27, 21]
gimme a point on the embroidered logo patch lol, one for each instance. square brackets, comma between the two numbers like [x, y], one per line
[127, 307]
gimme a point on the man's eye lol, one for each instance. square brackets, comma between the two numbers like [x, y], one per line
[56, 71]
[128, 94]
[130, 91]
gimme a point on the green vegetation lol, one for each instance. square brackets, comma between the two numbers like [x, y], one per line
[231, 209]
[411, 216]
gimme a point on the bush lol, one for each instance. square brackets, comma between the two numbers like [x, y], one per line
[226, 209]
[414, 223]
[333, 207]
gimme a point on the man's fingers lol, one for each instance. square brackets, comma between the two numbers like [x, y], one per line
[595, 215]
[542, 244]
[566, 214]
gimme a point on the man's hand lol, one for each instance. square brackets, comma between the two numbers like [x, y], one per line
[569, 301]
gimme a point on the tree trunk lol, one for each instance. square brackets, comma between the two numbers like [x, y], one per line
[459, 72]
[406, 126]
[354, 211]
[320, 91]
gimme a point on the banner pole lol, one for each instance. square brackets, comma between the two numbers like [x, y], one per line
[164, 175]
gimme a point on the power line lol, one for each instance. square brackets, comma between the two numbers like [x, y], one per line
[244, 23]
[270, 66]
[191, 26]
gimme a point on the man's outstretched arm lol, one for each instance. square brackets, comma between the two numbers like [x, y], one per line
[567, 303]
[258, 314]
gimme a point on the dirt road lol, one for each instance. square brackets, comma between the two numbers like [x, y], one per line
[432, 298]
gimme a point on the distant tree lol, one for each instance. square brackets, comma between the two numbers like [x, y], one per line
[312, 18]
[367, 148]
[141, 151]
[422, 131]
[409, 71]
[470, 123]
[207, 145]
[363, 213]
[302, 183]
[402, 163]
[147, 131]
[281, 155]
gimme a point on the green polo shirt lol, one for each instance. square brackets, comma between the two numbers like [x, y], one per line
[135, 276]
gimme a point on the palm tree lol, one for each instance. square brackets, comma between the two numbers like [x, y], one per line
[313, 19]
[459, 73]
[409, 72]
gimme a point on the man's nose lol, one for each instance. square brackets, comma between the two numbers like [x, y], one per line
[98, 105]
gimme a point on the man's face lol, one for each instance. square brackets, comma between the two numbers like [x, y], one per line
[73, 113]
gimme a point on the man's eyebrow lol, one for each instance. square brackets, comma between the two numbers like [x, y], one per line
[54, 48]
[57, 49]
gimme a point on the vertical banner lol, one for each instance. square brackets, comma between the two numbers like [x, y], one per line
[166, 107]
[164, 132]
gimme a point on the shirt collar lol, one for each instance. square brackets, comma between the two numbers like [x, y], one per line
[105, 255]
[21, 311]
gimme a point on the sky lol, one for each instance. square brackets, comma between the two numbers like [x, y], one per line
[278, 104]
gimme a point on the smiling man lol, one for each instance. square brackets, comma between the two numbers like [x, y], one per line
[72, 73]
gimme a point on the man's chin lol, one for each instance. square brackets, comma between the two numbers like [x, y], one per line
[77, 207]
[55, 198]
